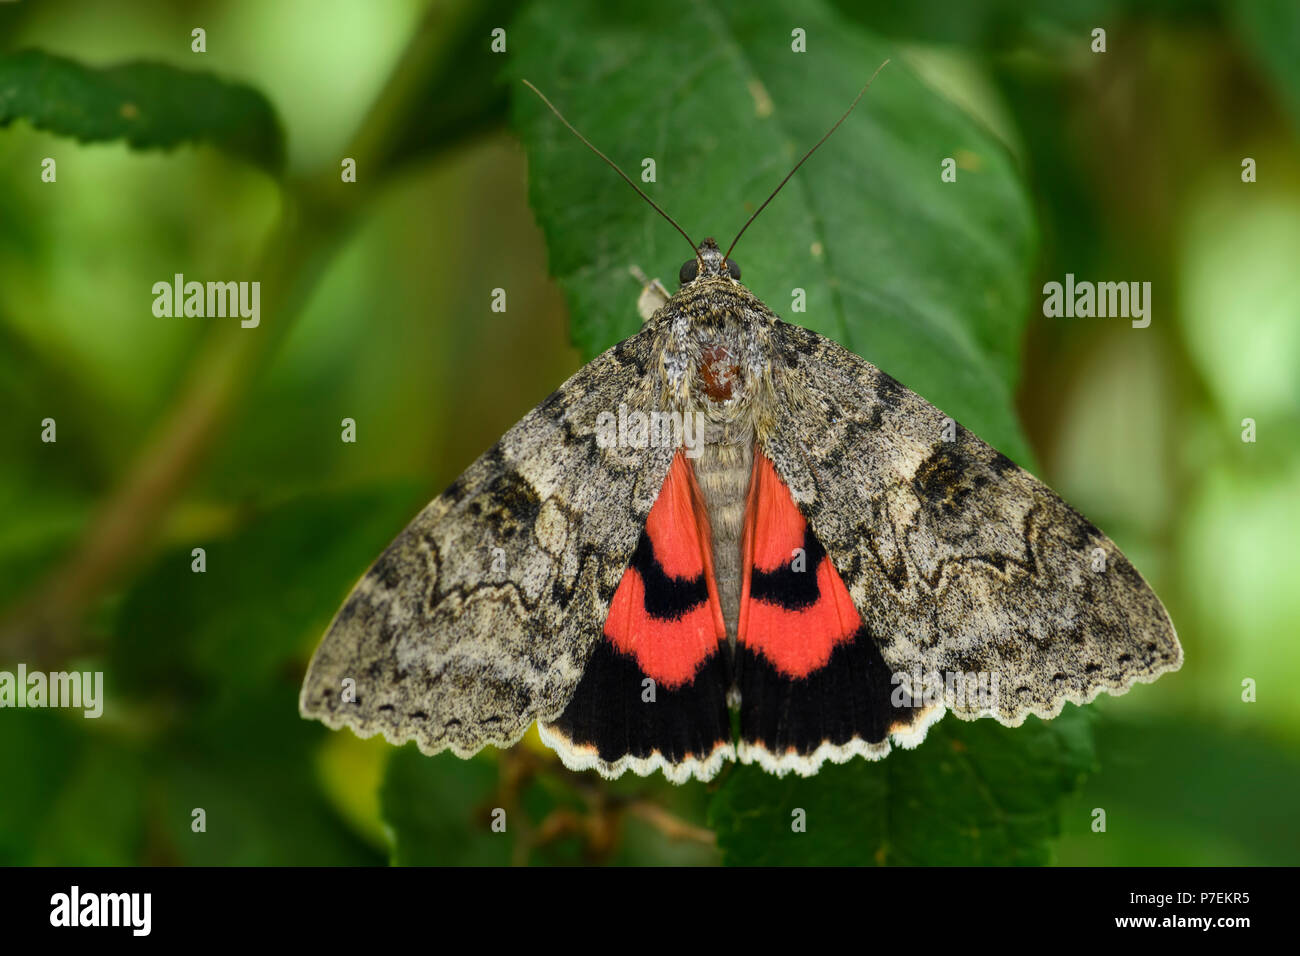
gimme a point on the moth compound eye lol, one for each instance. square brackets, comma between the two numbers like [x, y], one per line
[733, 269]
[689, 270]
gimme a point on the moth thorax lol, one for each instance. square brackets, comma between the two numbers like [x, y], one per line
[718, 375]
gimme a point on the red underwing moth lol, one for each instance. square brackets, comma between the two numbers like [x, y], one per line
[722, 512]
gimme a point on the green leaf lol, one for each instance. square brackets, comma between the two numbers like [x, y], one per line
[439, 809]
[972, 794]
[149, 105]
[928, 280]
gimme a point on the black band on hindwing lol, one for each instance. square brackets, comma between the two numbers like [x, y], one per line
[849, 697]
[786, 587]
[666, 598]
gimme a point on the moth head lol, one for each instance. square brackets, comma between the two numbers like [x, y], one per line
[709, 261]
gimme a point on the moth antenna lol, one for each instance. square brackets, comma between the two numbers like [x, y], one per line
[614, 166]
[802, 161]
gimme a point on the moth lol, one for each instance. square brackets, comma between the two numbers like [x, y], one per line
[832, 557]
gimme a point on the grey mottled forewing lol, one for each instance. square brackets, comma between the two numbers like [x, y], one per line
[959, 561]
[480, 617]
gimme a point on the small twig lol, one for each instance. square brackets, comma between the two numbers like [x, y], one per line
[670, 825]
[560, 823]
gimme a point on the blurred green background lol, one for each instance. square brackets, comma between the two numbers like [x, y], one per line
[183, 433]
